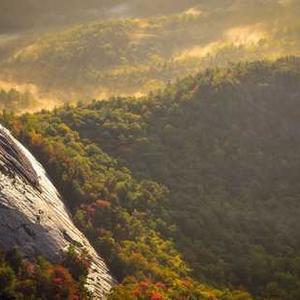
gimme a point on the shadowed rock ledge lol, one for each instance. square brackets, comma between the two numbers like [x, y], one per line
[33, 216]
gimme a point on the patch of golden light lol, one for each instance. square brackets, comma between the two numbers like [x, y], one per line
[138, 94]
[199, 52]
[142, 23]
[43, 101]
[30, 52]
[193, 12]
[22, 88]
[285, 3]
[246, 35]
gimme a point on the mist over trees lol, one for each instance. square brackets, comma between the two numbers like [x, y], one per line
[33, 14]
[132, 47]
[175, 141]
[188, 189]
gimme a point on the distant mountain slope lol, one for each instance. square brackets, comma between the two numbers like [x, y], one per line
[214, 172]
[133, 56]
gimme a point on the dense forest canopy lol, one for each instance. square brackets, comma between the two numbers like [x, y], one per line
[184, 172]
[21, 278]
[190, 188]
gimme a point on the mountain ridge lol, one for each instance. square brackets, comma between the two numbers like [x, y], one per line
[222, 204]
[134, 56]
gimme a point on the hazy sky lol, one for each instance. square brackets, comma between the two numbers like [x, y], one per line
[19, 15]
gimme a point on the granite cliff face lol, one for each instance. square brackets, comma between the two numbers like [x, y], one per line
[33, 216]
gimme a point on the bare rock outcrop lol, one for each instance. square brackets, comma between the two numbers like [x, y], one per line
[33, 216]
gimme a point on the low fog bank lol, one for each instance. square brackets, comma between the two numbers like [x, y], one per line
[18, 16]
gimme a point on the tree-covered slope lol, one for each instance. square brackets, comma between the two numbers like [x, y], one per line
[195, 184]
[130, 56]
[13, 100]
[21, 278]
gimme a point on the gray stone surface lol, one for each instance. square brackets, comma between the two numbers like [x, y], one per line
[33, 216]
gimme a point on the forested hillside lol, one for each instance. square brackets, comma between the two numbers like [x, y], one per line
[24, 279]
[13, 100]
[189, 188]
[132, 56]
